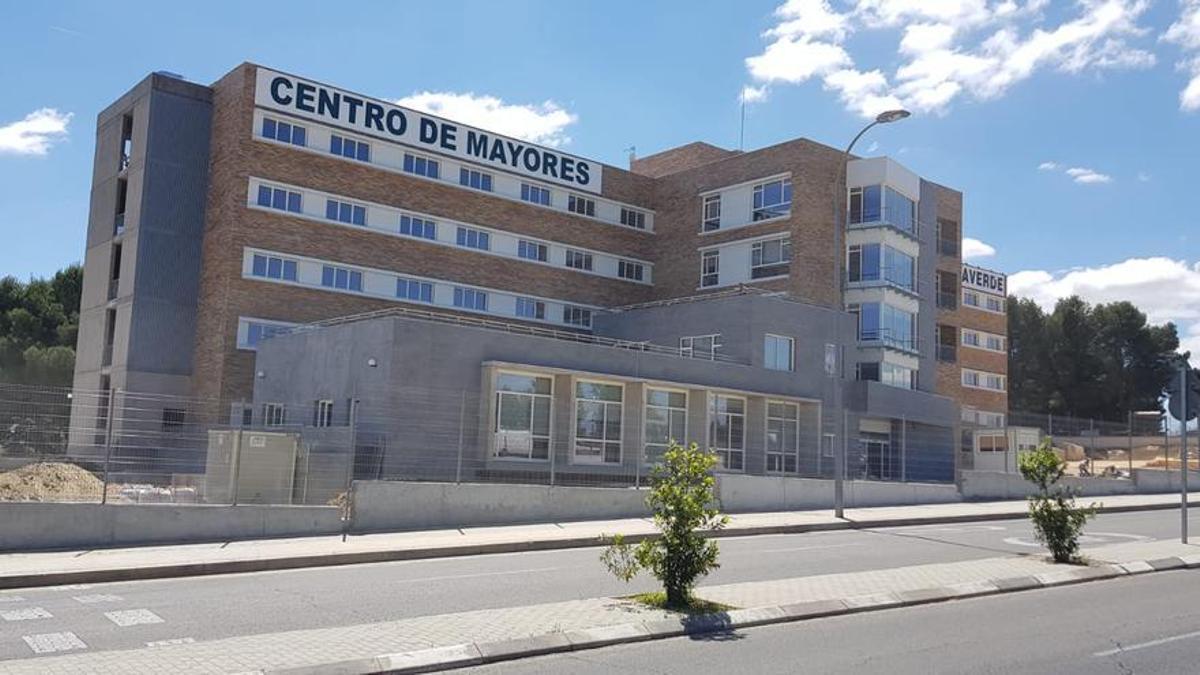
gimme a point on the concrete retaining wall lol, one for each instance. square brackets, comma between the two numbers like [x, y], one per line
[740, 494]
[26, 526]
[986, 485]
[1157, 480]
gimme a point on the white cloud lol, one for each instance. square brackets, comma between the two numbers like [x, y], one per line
[1048, 166]
[947, 48]
[1165, 289]
[544, 123]
[973, 248]
[35, 134]
[1185, 32]
[1087, 176]
[753, 94]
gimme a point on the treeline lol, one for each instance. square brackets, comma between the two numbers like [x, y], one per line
[1092, 361]
[39, 322]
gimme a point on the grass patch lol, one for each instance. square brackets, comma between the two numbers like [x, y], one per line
[658, 600]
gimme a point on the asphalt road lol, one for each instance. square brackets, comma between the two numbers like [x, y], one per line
[207, 608]
[1148, 624]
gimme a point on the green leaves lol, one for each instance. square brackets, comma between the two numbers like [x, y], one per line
[1057, 522]
[39, 322]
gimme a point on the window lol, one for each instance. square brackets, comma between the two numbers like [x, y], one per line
[257, 332]
[711, 213]
[989, 303]
[881, 322]
[778, 352]
[727, 430]
[629, 270]
[535, 194]
[581, 205]
[827, 445]
[528, 308]
[278, 198]
[531, 250]
[418, 227]
[421, 166]
[783, 437]
[274, 414]
[476, 179]
[995, 343]
[579, 260]
[522, 428]
[347, 147]
[271, 267]
[773, 199]
[577, 316]
[340, 277]
[994, 382]
[878, 262]
[633, 218]
[284, 132]
[897, 376]
[875, 204]
[899, 210]
[982, 380]
[323, 413]
[345, 213]
[868, 372]
[666, 421]
[172, 419]
[469, 298]
[472, 238]
[598, 423]
[994, 304]
[770, 258]
[700, 346]
[710, 268]
[411, 289]
[866, 204]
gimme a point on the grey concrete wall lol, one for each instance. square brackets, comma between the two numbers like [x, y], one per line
[33, 526]
[1156, 480]
[985, 485]
[741, 494]
[927, 287]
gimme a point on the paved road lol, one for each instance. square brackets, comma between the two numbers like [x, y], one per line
[206, 608]
[1147, 624]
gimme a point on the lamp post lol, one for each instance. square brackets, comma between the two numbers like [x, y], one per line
[839, 464]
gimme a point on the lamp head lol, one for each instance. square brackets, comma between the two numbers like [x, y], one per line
[891, 116]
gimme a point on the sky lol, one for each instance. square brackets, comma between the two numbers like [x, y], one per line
[1070, 125]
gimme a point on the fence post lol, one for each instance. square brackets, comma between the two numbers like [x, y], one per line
[237, 465]
[1131, 444]
[347, 510]
[903, 449]
[462, 422]
[108, 438]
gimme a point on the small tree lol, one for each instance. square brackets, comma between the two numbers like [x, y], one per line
[1057, 521]
[684, 503]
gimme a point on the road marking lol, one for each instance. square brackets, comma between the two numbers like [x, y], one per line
[1145, 645]
[133, 617]
[11, 598]
[71, 587]
[477, 575]
[803, 548]
[100, 597]
[26, 614]
[48, 643]
[1091, 538]
[964, 528]
[168, 643]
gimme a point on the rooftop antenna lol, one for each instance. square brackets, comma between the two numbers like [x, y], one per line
[742, 124]
[632, 151]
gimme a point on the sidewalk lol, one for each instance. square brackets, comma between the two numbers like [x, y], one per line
[466, 638]
[21, 570]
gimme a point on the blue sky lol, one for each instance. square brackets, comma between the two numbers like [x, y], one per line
[1095, 92]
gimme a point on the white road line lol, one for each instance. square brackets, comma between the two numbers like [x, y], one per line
[11, 598]
[48, 643]
[133, 617]
[1146, 645]
[803, 548]
[71, 587]
[168, 643]
[476, 576]
[99, 597]
[26, 614]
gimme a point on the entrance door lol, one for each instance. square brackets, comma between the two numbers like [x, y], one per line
[879, 459]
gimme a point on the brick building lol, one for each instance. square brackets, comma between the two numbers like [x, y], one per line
[692, 294]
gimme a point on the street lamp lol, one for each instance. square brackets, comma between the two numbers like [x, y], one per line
[839, 465]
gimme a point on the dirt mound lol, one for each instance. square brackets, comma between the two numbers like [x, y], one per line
[49, 482]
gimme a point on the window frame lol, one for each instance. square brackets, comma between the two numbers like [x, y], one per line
[634, 218]
[410, 165]
[539, 308]
[791, 352]
[581, 205]
[710, 278]
[460, 298]
[638, 270]
[428, 227]
[760, 210]
[585, 258]
[542, 251]
[727, 450]
[604, 440]
[689, 350]
[274, 414]
[323, 413]
[498, 401]
[584, 312]
[669, 409]
[779, 268]
[784, 452]
[536, 194]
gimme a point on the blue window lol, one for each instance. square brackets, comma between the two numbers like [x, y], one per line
[257, 332]
[340, 277]
[772, 199]
[475, 179]
[284, 132]
[278, 198]
[469, 298]
[531, 250]
[528, 308]
[535, 194]
[418, 227]
[473, 239]
[346, 213]
[411, 289]
[348, 147]
[421, 166]
[271, 267]
[866, 204]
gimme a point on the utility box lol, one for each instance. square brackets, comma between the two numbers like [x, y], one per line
[251, 467]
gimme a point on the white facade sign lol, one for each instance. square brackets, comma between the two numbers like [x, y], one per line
[373, 117]
[979, 279]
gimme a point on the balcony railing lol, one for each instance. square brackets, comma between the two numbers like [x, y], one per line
[947, 353]
[947, 300]
[113, 285]
[948, 247]
[887, 340]
[119, 224]
[882, 277]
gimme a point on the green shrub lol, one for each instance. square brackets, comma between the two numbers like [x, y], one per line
[683, 499]
[1057, 521]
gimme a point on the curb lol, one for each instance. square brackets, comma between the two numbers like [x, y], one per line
[13, 581]
[474, 654]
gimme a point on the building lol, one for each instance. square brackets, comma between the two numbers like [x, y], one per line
[700, 288]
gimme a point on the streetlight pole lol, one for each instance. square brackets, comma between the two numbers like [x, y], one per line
[839, 464]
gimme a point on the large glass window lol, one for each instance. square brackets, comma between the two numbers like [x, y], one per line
[778, 352]
[727, 430]
[879, 262]
[866, 204]
[783, 437]
[881, 322]
[522, 422]
[770, 258]
[666, 421]
[876, 204]
[772, 199]
[598, 423]
[899, 210]
[897, 376]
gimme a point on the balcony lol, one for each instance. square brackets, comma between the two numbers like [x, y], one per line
[887, 340]
[948, 247]
[947, 353]
[947, 300]
[886, 278]
[119, 225]
[113, 286]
